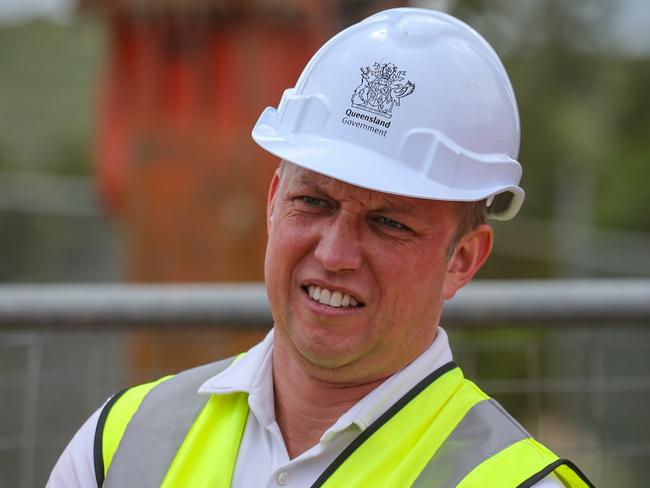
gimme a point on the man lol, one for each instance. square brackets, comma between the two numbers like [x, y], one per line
[400, 135]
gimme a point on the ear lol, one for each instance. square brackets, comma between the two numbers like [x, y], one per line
[273, 190]
[471, 252]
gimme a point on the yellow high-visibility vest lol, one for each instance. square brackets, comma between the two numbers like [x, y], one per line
[443, 433]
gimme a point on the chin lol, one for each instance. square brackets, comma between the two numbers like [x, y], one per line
[329, 352]
[325, 361]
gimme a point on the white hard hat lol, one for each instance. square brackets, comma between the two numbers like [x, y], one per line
[408, 101]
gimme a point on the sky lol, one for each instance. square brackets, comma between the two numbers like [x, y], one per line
[630, 26]
[13, 11]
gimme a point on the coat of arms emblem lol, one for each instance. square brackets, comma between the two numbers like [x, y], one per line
[381, 89]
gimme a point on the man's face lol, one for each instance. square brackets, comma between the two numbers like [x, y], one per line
[356, 278]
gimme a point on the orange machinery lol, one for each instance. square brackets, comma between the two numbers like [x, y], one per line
[175, 164]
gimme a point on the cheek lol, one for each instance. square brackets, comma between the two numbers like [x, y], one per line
[273, 265]
[275, 260]
[277, 276]
[416, 288]
[286, 245]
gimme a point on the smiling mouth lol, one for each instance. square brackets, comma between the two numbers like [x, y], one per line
[333, 298]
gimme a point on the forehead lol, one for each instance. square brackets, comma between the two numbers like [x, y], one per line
[296, 177]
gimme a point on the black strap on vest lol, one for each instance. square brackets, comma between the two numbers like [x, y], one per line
[98, 451]
[183, 389]
[552, 467]
[377, 424]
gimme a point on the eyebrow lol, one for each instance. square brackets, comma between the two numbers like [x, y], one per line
[311, 178]
[387, 202]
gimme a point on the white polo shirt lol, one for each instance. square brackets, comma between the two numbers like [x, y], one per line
[263, 460]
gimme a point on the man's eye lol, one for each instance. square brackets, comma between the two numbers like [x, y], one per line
[312, 201]
[393, 224]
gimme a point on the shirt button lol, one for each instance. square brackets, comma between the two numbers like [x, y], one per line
[283, 477]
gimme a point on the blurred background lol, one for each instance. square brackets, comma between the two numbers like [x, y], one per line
[125, 156]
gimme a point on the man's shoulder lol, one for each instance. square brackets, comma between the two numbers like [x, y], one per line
[183, 383]
[199, 374]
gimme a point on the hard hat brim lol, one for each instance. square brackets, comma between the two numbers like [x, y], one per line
[358, 166]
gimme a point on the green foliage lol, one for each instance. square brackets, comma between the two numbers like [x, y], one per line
[584, 108]
[47, 91]
[584, 113]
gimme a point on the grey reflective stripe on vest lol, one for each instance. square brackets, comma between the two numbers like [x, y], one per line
[167, 412]
[485, 430]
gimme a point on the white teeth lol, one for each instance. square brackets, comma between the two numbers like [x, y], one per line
[325, 296]
[335, 299]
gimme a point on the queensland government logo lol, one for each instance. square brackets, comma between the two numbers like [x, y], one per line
[380, 91]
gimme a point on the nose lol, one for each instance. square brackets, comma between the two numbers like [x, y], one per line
[339, 245]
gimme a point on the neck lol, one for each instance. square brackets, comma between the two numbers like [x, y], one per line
[305, 405]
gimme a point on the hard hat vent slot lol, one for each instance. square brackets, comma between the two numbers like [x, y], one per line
[302, 114]
[443, 164]
[423, 151]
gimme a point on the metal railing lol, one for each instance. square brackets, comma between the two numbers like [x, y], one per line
[553, 303]
[573, 364]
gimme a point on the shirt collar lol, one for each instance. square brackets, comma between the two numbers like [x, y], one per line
[252, 374]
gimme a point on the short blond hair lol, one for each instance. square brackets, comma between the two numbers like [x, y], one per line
[469, 216]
